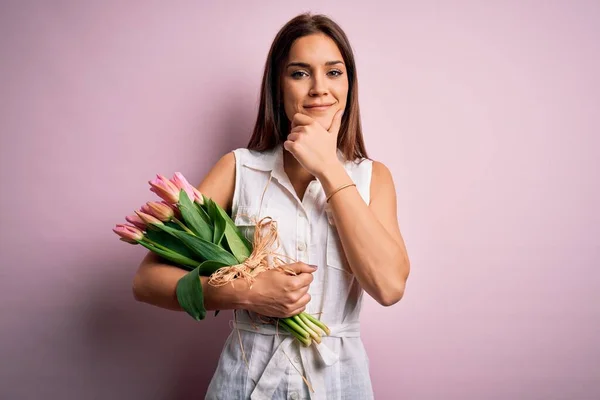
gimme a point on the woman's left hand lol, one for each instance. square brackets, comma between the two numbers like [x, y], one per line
[311, 144]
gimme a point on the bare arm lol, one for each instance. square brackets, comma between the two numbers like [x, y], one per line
[370, 234]
[273, 294]
[155, 283]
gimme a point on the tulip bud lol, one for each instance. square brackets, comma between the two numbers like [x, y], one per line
[148, 219]
[128, 233]
[165, 189]
[160, 211]
[173, 207]
[137, 221]
[198, 197]
[181, 183]
[146, 209]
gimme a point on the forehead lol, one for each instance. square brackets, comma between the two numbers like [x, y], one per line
[314, 49]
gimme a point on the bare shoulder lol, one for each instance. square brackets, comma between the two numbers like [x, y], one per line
[219, 182]
[382, 181]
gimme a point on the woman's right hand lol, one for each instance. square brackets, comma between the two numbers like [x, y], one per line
[276, 293]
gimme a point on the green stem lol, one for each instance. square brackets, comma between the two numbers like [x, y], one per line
[158, 245]
[168, 254]
[316, 337]
[308, 322]
[318, 323]
[305, 342]
[182, 225]
[296, 327]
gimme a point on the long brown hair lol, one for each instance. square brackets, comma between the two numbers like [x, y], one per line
[272, 125]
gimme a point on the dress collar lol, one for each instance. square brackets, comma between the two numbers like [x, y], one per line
[272, 160]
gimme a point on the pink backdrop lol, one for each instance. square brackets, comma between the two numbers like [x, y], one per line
[486, 114]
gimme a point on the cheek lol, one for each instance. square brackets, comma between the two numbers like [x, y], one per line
[342, 93]
[292, 99]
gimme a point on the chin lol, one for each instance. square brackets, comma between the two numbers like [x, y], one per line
[324, 121]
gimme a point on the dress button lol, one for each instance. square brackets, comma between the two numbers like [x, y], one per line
[294, 395]
[301, 246]
[297, 359]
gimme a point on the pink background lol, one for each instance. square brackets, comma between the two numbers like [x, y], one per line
[486, 114]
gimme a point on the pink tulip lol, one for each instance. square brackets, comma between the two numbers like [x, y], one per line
[160, 210]
[198, 196]
[165, 189]
[182, 183]
[146, 209]
[149, 219]
[173, 207]
[128, 233]
[137, 221]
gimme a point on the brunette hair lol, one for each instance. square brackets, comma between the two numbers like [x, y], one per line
[272, 125]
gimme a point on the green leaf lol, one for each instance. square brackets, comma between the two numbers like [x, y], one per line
[182, 261]
[173, 225]
[236, 230]
[189, 289]
[203, 249]
[239, 246]
[171, 242]
[203, 214]
[190, 296]
[218, 221]
[207, 268]
[235, 244]
[193, 218]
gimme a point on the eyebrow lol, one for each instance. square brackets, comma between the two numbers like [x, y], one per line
[305, 65]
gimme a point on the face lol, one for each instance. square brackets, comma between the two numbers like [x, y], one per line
[314, 79]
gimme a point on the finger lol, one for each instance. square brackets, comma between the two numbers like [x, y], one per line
[304, 300]
[289, 146]
[291, 308]
[299, 128]
[336, 123]
[301, 281]
[301, 119]
[293, 136]
[301, 267]
[297, 311]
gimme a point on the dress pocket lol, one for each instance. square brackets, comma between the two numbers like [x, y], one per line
[247, 217]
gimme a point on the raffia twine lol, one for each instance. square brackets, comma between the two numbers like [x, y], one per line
[264, 257]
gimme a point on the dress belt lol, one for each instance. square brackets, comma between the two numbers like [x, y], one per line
[313, 367]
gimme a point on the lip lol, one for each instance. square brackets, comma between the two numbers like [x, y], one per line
[318, 107]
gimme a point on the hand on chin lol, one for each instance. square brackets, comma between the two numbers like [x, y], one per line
[324, 119]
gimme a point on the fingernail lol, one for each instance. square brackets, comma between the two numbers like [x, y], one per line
[314, 266]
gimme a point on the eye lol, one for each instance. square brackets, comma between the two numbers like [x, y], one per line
[336, 72]
[298, 74]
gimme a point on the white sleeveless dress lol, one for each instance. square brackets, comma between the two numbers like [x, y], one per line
[338, 368]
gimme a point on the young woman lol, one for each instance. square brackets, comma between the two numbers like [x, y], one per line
[306, 167]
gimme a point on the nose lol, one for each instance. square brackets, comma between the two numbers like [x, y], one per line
[319, 86]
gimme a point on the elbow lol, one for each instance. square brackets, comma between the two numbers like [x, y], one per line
[391, 297]
[393, 293]
[136, 288]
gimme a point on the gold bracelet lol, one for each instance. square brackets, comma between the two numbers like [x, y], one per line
[338, 189]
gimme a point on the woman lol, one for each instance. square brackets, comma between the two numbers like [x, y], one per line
[306, 167]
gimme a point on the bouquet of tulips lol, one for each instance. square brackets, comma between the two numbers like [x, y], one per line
[196, 234]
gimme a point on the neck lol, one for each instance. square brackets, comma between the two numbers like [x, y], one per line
[295, 171]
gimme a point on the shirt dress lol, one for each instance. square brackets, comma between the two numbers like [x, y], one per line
[275, 363]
